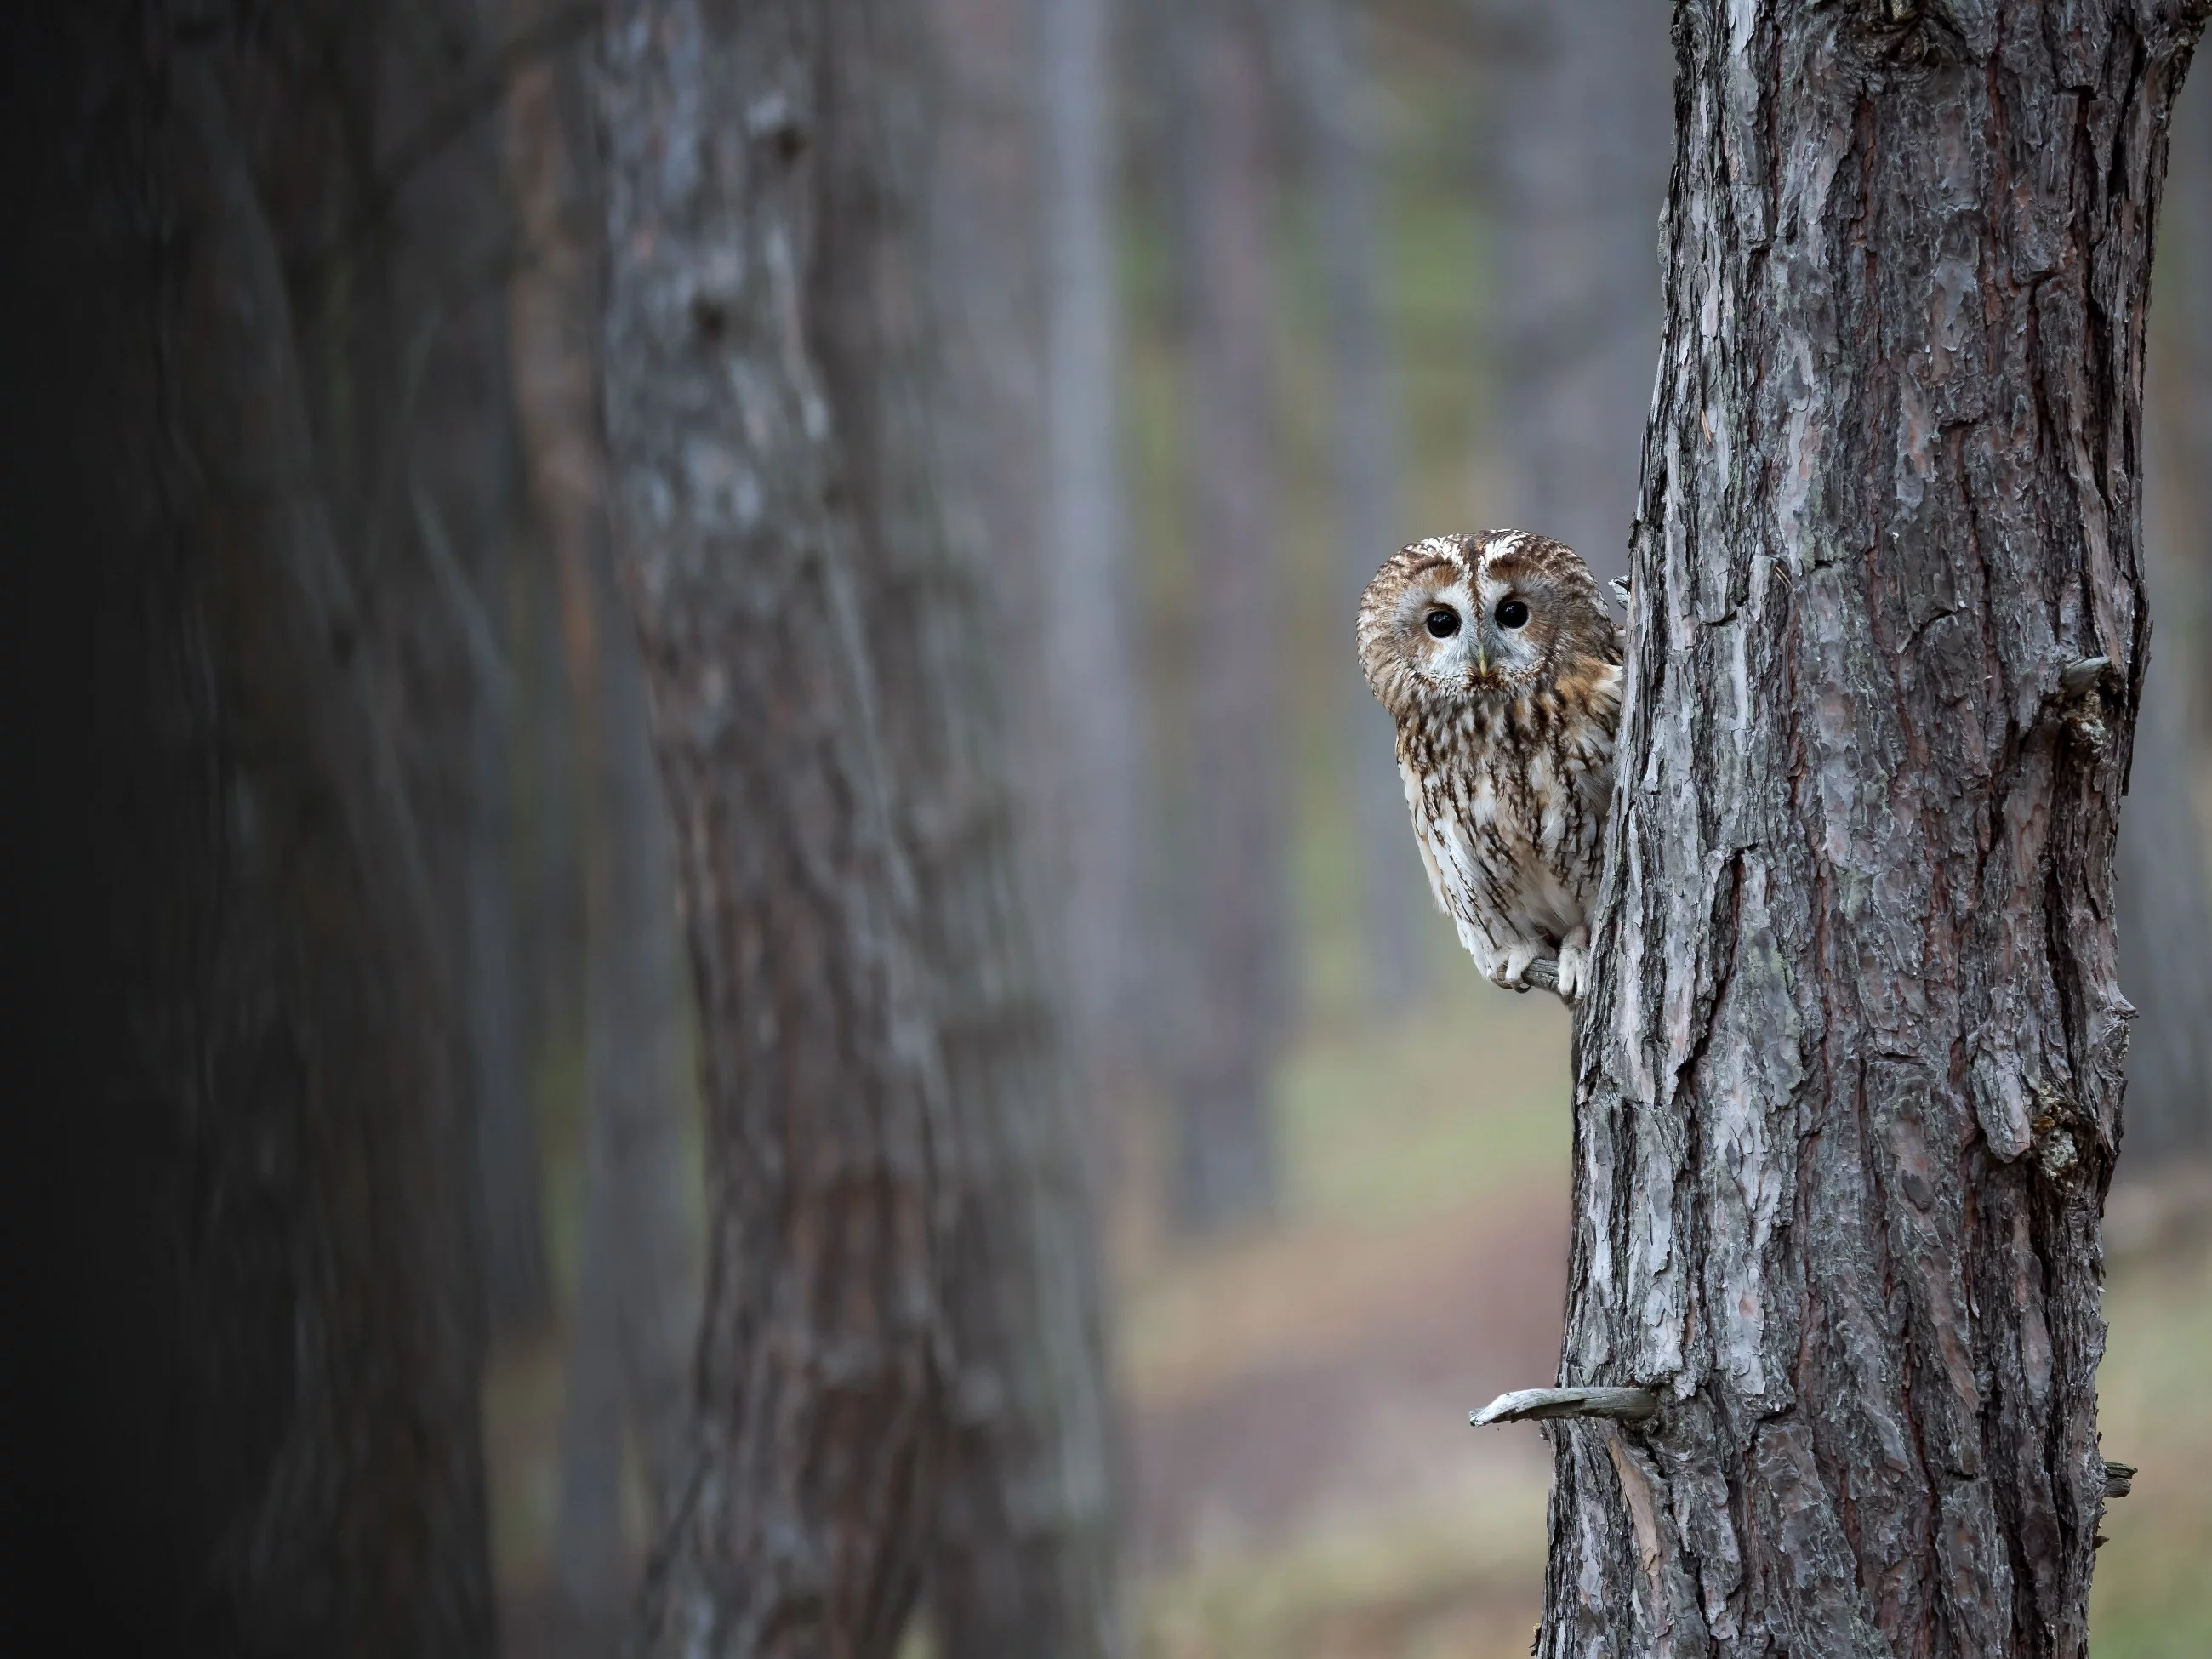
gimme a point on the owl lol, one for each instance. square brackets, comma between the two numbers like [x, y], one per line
[1501, 666]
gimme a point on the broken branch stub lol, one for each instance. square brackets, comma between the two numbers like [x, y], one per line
[1532, 1405]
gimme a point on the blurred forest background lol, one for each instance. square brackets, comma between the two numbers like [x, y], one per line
[1248, 295]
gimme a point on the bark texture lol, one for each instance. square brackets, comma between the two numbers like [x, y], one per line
[1847, 1084]
[1022, 1554]
[800, 1529]
[901, 1358]
[262, 1361]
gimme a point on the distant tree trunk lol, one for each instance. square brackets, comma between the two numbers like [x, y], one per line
[1094, 787]
[2164, 920]
[453, 496]
[1848, 1083]
[1580, 135]
[2166, 936]
[1022, 1532]
[262, 1364]
[1225, 1164]
[637, 1281]
[801, 1527]
[1334, 79]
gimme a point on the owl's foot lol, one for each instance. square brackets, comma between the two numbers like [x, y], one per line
[1509, 967]
[1574, 966]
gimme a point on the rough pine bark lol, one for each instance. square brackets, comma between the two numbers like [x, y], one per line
[1848, 1083]
[800, 1527]
[1021, 1557]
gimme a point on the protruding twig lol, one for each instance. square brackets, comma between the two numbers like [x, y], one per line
[2119, 1479]
[2075, 680]
[1542, 975]
[1527, 1405]
[1620, 588]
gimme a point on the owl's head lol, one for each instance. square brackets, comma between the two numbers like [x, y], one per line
[1499, 614]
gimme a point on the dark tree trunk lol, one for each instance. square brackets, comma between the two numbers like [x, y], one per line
[1022, 1531]
[636, 1294]
[453, 497]
[1848, 1083]
[261, 1373]
[1333, 80]
[1232, 1015]
[801, 1524]
[1580, 196]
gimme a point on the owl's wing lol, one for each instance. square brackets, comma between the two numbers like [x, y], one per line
[1422, 835]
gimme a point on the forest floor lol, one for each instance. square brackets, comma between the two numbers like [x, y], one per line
[1304, 1485]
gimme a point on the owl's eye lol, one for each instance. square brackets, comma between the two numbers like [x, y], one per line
[1442, 623]
[1512, 614]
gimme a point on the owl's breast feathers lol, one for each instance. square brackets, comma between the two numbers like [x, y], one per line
[1509, 800]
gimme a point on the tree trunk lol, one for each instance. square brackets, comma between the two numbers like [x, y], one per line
[456, 500]
[1848, 1082]
[1580, 196]
[637, 1286]
[1022, 1531]
[261, 1368]
[2164, 967]
[1093, 785]
[2165, 963]
[800, 1529]
[1333, 82]
[1228, 1026]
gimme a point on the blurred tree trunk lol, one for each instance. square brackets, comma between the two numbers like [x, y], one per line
[263, 1364]
[1848, 1083]
[802, 1524]
[2166, 936]
[1333, 80]
[1094, 785]
[455, 502]
[637, 1280]
[1022, 1533]
[1229, 1025]
[2164, 920]
[1580, 144]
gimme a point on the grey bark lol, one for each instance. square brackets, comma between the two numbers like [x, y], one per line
[800, 1528]
[1848, 1082]
[1581, 144]
[637, 1289]
[1333, 80]
[2166, 936]
[264, 1358]
[2166, 968]
[1022, 1556]
[1232, 913]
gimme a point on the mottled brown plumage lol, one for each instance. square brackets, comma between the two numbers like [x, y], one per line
[1498, 659]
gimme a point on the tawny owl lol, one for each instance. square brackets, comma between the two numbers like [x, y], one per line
[1501, 665]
